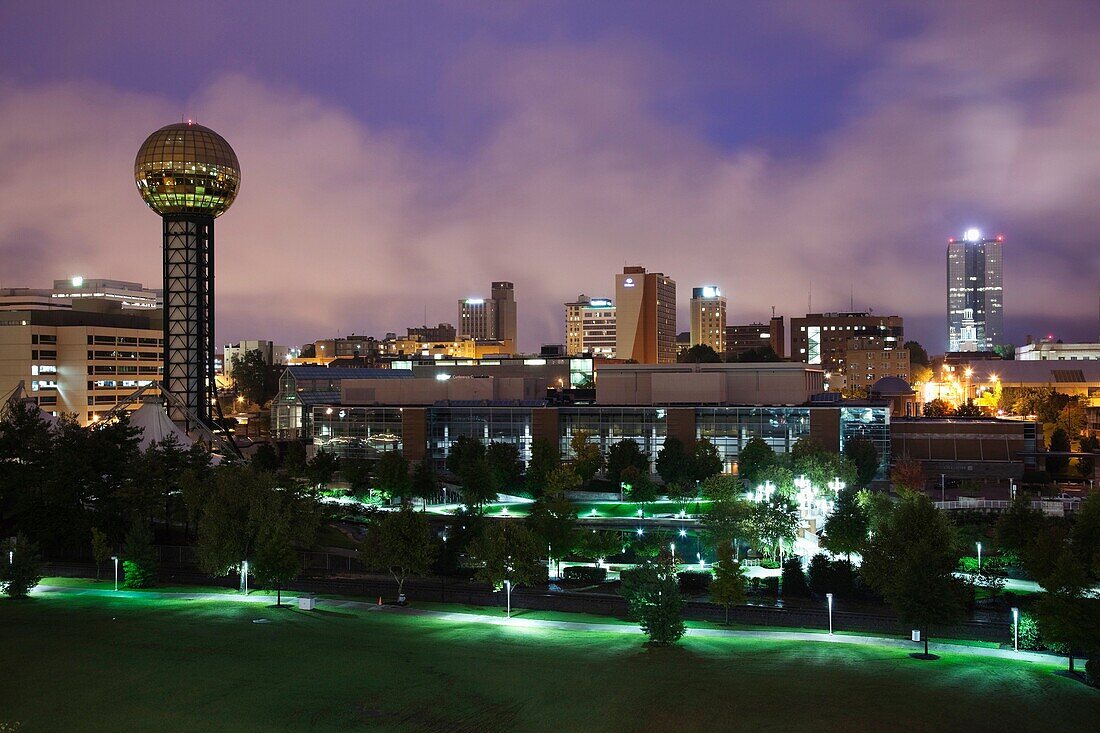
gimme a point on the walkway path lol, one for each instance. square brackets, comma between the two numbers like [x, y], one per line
[519, 621]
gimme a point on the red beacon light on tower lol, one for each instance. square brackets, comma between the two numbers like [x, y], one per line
[1000, 237]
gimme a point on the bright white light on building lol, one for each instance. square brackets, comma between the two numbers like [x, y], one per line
[442, 377]
[711, 291]
[77, 281]
[628, 283]
[972, 235]
[475, 301]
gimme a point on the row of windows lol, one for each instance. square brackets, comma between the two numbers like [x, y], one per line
[43, 354]
[146, 355]
[43, 338]
[98, 340]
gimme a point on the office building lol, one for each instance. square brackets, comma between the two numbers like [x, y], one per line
[974, 292]
[645, 316]
[492, 319]
[590, 327]
[442, 332]
[77, 361]
[741, 338]
[821, 339]
[869, 359]
[708, 318]
[91, 295]
[271, 352]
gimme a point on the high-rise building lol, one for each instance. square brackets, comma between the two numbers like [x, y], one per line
[975, 295]
[822, 338]
[590, 327]
[708, 318]
[645, 316]
[492, 319]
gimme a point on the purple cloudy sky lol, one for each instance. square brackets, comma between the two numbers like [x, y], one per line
[400, 155]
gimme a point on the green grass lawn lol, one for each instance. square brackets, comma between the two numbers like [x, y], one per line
[101, 664]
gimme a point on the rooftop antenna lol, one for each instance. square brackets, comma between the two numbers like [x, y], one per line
[810, 299]
[773, 311]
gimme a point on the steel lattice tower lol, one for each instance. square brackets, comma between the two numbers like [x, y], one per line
[189, 175]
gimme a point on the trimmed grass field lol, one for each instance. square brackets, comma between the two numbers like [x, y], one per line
[102, 664]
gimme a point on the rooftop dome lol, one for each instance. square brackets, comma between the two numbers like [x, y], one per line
[184, 168]
[891, 387]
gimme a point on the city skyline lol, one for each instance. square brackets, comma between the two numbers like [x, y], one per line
[420, 182]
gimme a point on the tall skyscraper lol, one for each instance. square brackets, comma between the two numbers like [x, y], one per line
[708, 318]
[645, 316]
[590, 327]
[975, 304]
[492, 319]
[188, 175]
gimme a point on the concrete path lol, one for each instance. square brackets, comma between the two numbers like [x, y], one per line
[521, 622]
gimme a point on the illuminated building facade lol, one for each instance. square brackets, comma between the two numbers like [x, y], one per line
[590, 327]
[645, 316]
[491, 319]
[708, 318]
[821, 339]
[975, 297]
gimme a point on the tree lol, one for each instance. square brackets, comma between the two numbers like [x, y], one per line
[729, 515]
[637, 486]
[936, 408]
[506, 551]
[699, 354]
[908, 473]
[1072, 420]
[401, 543]
[553, 518]
[1018, 526]
[391, 474]
[772, 525]
[1066, 617]
[288, 519]
[425, 482]
[652, 590]
[544, 459]
[139, 565]
[622, 455]
[728, 587]
[464, 452]
[505, 464]
[706, 461]
[587, 458]
[478, 485]
[321, 468]
[917, 354]
[1085, 535]
[101, 549]
[674, 464]
[1087, 466]
[597, 545]
[255, 379]
[793, 579]
[1059, 442]
[753, 459]
[356, 472]
[757, 355]
[911, 560]
[864, 456]
[968, 409]
[846, 528]
[24, 571]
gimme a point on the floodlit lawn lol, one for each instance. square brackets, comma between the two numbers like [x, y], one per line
[93, 663]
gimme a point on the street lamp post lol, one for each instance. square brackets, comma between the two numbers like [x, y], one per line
[943, 492]
[829, 598]
[508, 591]
[1015, 629]
[115, 558]
[244, 575]
[979, 556]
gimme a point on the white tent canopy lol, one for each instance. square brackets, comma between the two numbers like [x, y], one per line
[155, 425]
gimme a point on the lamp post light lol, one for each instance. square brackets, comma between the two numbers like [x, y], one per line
[244, 575]
[1015, 629]
[979, 556]
[943, 490]
[508, 591]
[829, 599]
[115, 558]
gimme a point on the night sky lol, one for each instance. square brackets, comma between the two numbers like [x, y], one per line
[399, 156]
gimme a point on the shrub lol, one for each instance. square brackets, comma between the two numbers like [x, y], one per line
[1092, 671]
[138, 574]
[140, 561]
[765, 586]
[794, 580]
[585, 574]
[831, 576]
[24, 571]
[694, 582]
[769, 564]
[1029, 633]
